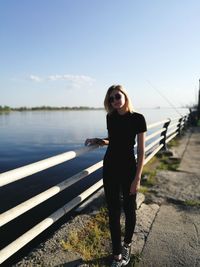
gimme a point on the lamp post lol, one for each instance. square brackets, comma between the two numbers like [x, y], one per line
[198, 107]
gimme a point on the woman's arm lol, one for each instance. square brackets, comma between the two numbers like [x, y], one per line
[140, 161]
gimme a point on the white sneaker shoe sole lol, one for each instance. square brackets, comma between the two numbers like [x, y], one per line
[124, 263]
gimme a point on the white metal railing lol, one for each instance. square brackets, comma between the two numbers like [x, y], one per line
[22, 172]
[36, 200]
[13, 247]
[150, 136]
[153, 125]
[11, 176]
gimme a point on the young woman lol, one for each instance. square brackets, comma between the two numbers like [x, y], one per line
[121, 172]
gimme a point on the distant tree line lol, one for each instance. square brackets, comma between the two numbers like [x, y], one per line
[7, 108]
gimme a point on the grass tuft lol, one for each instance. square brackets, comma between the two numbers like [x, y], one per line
[192, 203]
[168, 164]
[148, 175]
[88, 242]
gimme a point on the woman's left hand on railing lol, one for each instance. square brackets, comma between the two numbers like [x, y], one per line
[95, 141]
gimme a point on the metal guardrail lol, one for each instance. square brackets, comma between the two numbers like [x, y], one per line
[22, 172]
[165, 134]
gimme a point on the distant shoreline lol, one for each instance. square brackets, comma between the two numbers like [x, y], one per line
[46, 108]
[51, 108]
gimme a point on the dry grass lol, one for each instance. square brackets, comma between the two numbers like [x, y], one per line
[90, 241]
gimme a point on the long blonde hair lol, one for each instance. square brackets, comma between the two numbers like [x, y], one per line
[107, 104]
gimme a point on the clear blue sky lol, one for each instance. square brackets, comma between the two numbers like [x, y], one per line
[68, 52]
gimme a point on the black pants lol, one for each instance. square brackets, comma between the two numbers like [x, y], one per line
[117, 191]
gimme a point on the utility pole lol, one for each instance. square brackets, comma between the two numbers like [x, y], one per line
[198, 107]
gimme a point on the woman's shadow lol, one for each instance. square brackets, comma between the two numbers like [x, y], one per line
[103, 262]
[100, 262]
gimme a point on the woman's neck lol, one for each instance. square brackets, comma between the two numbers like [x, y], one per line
[122, 110]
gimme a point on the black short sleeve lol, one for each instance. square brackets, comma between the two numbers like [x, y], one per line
[141, 124]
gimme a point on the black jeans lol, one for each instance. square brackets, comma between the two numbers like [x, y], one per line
[117, 191]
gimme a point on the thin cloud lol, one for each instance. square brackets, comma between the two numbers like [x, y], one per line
[74, 80]
[77, 79]
[35, 78]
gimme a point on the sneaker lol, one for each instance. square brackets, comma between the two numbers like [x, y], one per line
[116, 263]
[126, 255]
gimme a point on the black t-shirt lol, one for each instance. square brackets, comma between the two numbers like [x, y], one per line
[122, 130]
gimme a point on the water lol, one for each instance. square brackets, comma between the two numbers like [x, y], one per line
[29, 136]
[26, 137]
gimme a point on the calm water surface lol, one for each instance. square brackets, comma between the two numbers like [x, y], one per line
[30, 136]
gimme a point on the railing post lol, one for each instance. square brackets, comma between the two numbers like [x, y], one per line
[164, 134]
[185, 122]
[179, 130]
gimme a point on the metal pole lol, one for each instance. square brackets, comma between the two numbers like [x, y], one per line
[22, 172]
[198, 107]
[164, 135]
[179, 130]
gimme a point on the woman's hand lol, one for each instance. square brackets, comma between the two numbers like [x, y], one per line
[90, 141]
[95, 141]
[135, 185]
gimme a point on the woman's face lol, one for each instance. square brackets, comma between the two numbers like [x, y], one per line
[117, 99]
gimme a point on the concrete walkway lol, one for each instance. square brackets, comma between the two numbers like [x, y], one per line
[174, 239]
